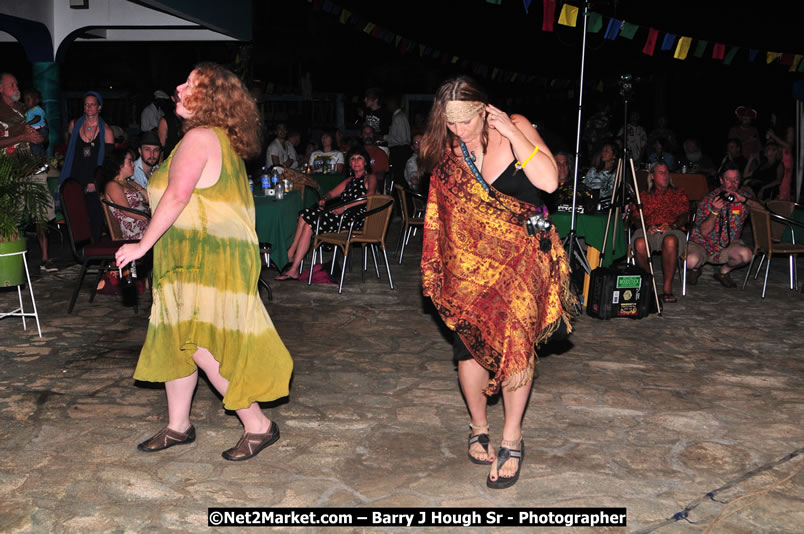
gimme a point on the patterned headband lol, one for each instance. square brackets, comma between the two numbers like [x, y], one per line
[462, 110]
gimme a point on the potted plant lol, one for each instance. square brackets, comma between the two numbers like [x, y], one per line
[22, 201]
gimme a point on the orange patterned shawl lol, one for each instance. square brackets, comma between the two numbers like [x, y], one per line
[488, 278]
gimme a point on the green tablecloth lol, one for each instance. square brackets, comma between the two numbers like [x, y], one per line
[592, 228]
[327, 181]
[276, 222]
[787, 237]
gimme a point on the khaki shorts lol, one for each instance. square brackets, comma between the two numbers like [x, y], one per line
[50, 211]
[718, 259]
[655, 241]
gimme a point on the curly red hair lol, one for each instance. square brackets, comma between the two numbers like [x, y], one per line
[219, 98]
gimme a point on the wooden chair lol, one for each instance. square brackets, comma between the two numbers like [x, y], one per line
[111, 221]
[764, 244]
[84, 249]
[696, 187]
[373, 233]
[412, 206]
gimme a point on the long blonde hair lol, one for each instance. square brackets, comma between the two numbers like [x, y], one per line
[437, 137]
[219, 98]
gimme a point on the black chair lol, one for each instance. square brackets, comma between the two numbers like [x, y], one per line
[86, 251]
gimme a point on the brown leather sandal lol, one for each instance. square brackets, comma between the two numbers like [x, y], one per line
[251, 444]
[167, 438]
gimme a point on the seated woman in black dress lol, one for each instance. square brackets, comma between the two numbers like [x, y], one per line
[362, 182]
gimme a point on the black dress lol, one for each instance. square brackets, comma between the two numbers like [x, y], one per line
[85, 164]
[515, 184]
[356, 188]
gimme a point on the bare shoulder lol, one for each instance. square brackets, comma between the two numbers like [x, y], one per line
[521, 122]
[112, 188]
[70, 127]
[200, 138]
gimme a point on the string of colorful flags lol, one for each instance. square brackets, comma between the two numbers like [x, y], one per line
[680, 45]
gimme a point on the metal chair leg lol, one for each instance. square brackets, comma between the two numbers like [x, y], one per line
[343, 270]
[78, 286]
[748, 272]
[374, 255]
[761, 260]
[101, 269]
[388, 268]
[684, 279]
[767, 270]
[267, 286]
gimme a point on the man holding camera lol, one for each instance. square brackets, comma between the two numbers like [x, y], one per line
[719, 224]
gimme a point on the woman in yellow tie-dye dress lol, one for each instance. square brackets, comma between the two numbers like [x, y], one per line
[206, 310]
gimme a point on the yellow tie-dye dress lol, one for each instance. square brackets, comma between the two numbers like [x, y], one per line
[205, 291]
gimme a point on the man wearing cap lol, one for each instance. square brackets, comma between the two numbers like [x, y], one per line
[150, 151]
[149, 118]
[746, 132]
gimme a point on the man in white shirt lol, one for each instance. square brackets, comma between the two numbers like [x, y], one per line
[150, 150]
[398, 136]
[149, 118]
[281, 151]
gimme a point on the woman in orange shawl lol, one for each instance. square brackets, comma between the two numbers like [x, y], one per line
[499, 287]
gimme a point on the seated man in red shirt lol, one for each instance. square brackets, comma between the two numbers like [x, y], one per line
[666, 209]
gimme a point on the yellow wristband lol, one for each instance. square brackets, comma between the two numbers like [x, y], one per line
[522, 165]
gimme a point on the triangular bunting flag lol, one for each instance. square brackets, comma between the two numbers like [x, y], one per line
[497, 2]
[773, 56]
[568, 16]
[669, 39]
[787, 59]
[683, 48]
[549, 15]
[317, 5]
[718, 51]
[345, 14]
[752, 54]
[650, 44]
[629, 30]
[796, 61]
[801, 67]
[613, 29]
[595, 23]
[368, 28]
[527, 5]
[327, 6]
[455, 59]
[730, 56]
[700, 48]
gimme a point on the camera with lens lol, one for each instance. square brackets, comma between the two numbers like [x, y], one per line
[537, 223]
[626, 83]
[728, 197]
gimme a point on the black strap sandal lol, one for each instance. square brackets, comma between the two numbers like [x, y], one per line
[503, 455]
[483, 439]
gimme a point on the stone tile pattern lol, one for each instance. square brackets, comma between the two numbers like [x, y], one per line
[648, 414]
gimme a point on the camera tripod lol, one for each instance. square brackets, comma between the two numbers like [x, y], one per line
[619, 202]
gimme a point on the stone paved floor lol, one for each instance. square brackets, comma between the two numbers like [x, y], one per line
[650, 415]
